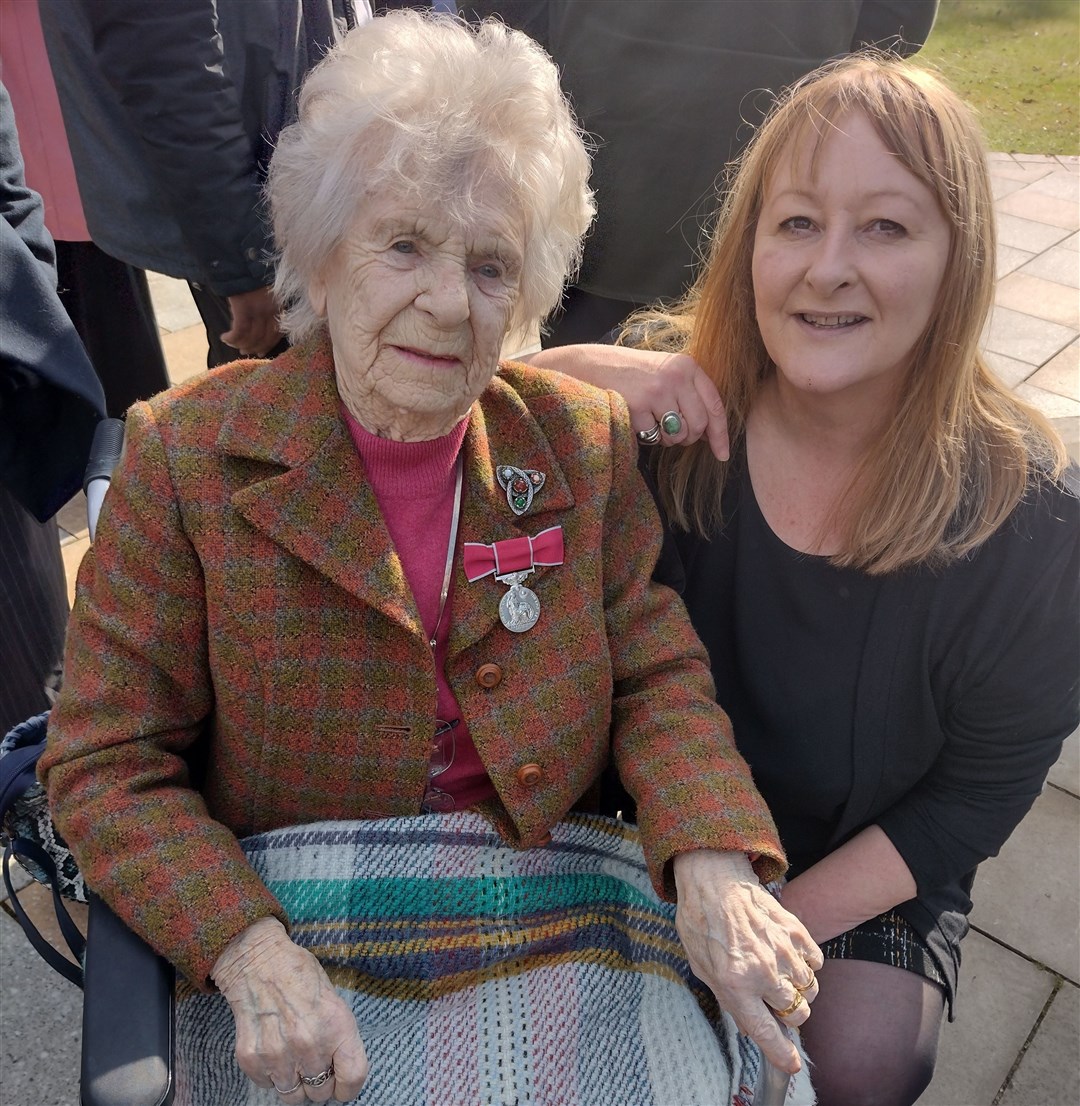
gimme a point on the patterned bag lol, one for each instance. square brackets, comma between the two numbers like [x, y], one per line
[24, 812]
[483, 974]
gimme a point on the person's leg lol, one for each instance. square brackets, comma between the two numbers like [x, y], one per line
[872, 1035]
[109, 303]
[33, 611]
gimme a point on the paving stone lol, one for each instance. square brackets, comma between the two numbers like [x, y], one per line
[1009, 169]
[1025, 337]
[1062, 184]
[72, 553]
[1000, 998]
[42, 1027]
[1059, 263]
[1050, 404]
[185, 352]
[71, 518]
[1037, 206]
[1049, 1073]
[1045, 299]
[1027, 234]
[20, 877]
[174, 307]
[1027, 896]
[1072, 242]
[1066, 772]
[1061, 374]
[1003, 186]
[1009, 258]
[1007, 369]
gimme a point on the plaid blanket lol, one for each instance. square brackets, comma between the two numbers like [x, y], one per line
[483, 974]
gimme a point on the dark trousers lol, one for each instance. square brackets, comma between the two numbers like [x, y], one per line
[109, 303]
[33, 611]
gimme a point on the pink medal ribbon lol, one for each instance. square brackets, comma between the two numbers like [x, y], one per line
[510, 561]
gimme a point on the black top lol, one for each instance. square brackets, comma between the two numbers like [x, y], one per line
[789, 685]
[929, 703]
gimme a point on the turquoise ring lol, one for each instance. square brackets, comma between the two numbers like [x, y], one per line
[671, 423]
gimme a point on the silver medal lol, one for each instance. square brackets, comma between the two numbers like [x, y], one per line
[519, 608]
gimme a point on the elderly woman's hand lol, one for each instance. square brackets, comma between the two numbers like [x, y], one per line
[758, 959]
[653, 385]
[290, 1022]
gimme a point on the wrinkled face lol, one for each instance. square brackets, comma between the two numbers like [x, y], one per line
[417, 307]
[848, 263]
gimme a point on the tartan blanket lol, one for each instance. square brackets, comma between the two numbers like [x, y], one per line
[483, 974]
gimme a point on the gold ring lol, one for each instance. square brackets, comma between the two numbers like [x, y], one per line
[799, 1000]
[805, 986]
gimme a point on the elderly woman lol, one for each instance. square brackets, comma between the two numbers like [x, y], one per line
[303, 565]
[885, 569]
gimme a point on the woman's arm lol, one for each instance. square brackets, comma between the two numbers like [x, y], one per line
[652, 384]
[860, 880]
[138, 692]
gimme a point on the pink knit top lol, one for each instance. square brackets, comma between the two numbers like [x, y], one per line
[414, 486]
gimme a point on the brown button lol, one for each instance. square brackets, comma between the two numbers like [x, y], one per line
[530, 775]
[489, 675]
[544, 839]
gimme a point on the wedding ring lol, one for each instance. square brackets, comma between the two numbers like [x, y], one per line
[799, 1000]
[324, 1075]
[650, 436]
[287, 1090]
[805, 986]
[671, 423]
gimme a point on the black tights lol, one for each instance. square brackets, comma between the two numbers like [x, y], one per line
[872, 1036]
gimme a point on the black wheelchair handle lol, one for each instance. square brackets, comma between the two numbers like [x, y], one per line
[105, 451]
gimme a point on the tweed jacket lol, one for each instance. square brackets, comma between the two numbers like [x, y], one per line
[243, 602]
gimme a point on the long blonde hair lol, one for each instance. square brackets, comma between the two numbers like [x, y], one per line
[960, 451]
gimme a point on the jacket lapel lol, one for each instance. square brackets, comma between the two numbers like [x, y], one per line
[502, 431]
[321, 507]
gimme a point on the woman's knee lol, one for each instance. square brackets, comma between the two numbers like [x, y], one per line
[873, 1034]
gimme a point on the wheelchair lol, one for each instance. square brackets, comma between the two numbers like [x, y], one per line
[129, 1008]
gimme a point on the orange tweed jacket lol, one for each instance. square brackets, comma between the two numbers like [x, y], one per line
[243, 595]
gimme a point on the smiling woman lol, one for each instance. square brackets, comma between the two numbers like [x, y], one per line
[886, 568]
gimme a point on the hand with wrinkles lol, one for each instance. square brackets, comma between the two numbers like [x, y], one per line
[290, 1021]
[756, 957]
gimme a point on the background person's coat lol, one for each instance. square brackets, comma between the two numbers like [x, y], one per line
[243, 594]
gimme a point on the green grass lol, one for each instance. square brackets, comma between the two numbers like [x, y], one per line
[1017, 62]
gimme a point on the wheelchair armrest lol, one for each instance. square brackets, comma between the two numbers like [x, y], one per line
[127, 1047]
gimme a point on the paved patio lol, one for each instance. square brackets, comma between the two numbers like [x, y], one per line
[1017, 1038]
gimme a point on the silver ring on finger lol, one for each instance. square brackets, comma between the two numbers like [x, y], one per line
[318, 1080]
[650, 436]
[671, 423]
[287, 1090]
